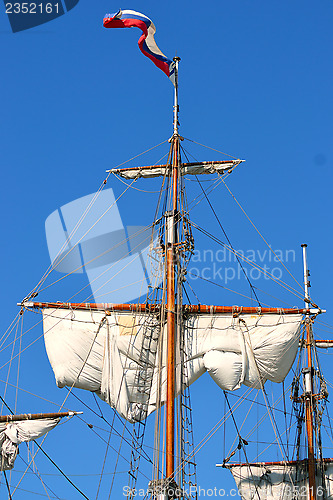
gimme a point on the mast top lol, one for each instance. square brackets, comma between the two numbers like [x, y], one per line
[306, 275]
[176, 106]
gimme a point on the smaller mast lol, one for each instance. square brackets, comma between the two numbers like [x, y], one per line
[308, 382]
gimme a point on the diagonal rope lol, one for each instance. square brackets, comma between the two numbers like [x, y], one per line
[261, 236]
[289, 288]
[225, 235]
[7, 484]
[208, 147]
[50, 268]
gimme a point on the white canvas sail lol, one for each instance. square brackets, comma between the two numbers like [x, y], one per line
[205, 167]
[14, 433]
[270, 481]
[122, 356]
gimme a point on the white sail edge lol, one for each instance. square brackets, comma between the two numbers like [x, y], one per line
[270, 481]
[14, 433]
[212, 167]
[116, 355]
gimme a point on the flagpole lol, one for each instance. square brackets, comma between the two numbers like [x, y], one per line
[176, 107]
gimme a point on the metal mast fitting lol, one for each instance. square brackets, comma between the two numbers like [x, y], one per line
[308, 383]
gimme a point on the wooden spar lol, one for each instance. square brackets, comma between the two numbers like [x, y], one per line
[36, 416]
[237, 310]
[172, 234]
[308, 386]
[263, 464]
[192, 164]
[324, 344]
[187, 308]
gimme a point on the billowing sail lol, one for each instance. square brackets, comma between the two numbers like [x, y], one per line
[281, 481]
[121, 356]
[14, 433]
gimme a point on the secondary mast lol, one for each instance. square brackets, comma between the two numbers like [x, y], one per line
[308, 383]
[171, 298]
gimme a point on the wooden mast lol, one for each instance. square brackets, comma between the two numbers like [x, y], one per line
[308, 382]
[171, 299]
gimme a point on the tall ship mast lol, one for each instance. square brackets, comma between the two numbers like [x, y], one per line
[138, 359]
[309, 477]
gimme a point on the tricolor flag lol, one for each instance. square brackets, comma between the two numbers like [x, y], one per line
[147, 44]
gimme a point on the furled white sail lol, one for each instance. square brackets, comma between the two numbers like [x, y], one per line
[122, 356]
[14, 433]
[281, 481]
[206, 167]
[324, 344]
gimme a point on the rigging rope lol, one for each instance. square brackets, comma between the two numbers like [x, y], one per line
[235, 253]
[225, 234]
[8, 488]
[230, 244]
[255, 227]
[262, 270]
[208, 147]
[271, 415]
[225, 288]
[50, 268]
[211, 433]
[61, 472]
[241, 445]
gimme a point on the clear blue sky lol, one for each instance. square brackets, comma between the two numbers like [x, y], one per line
[77, 99]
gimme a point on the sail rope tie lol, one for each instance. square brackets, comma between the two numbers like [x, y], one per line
[241, 442]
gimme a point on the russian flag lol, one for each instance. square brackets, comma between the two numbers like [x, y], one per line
[147, 44]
